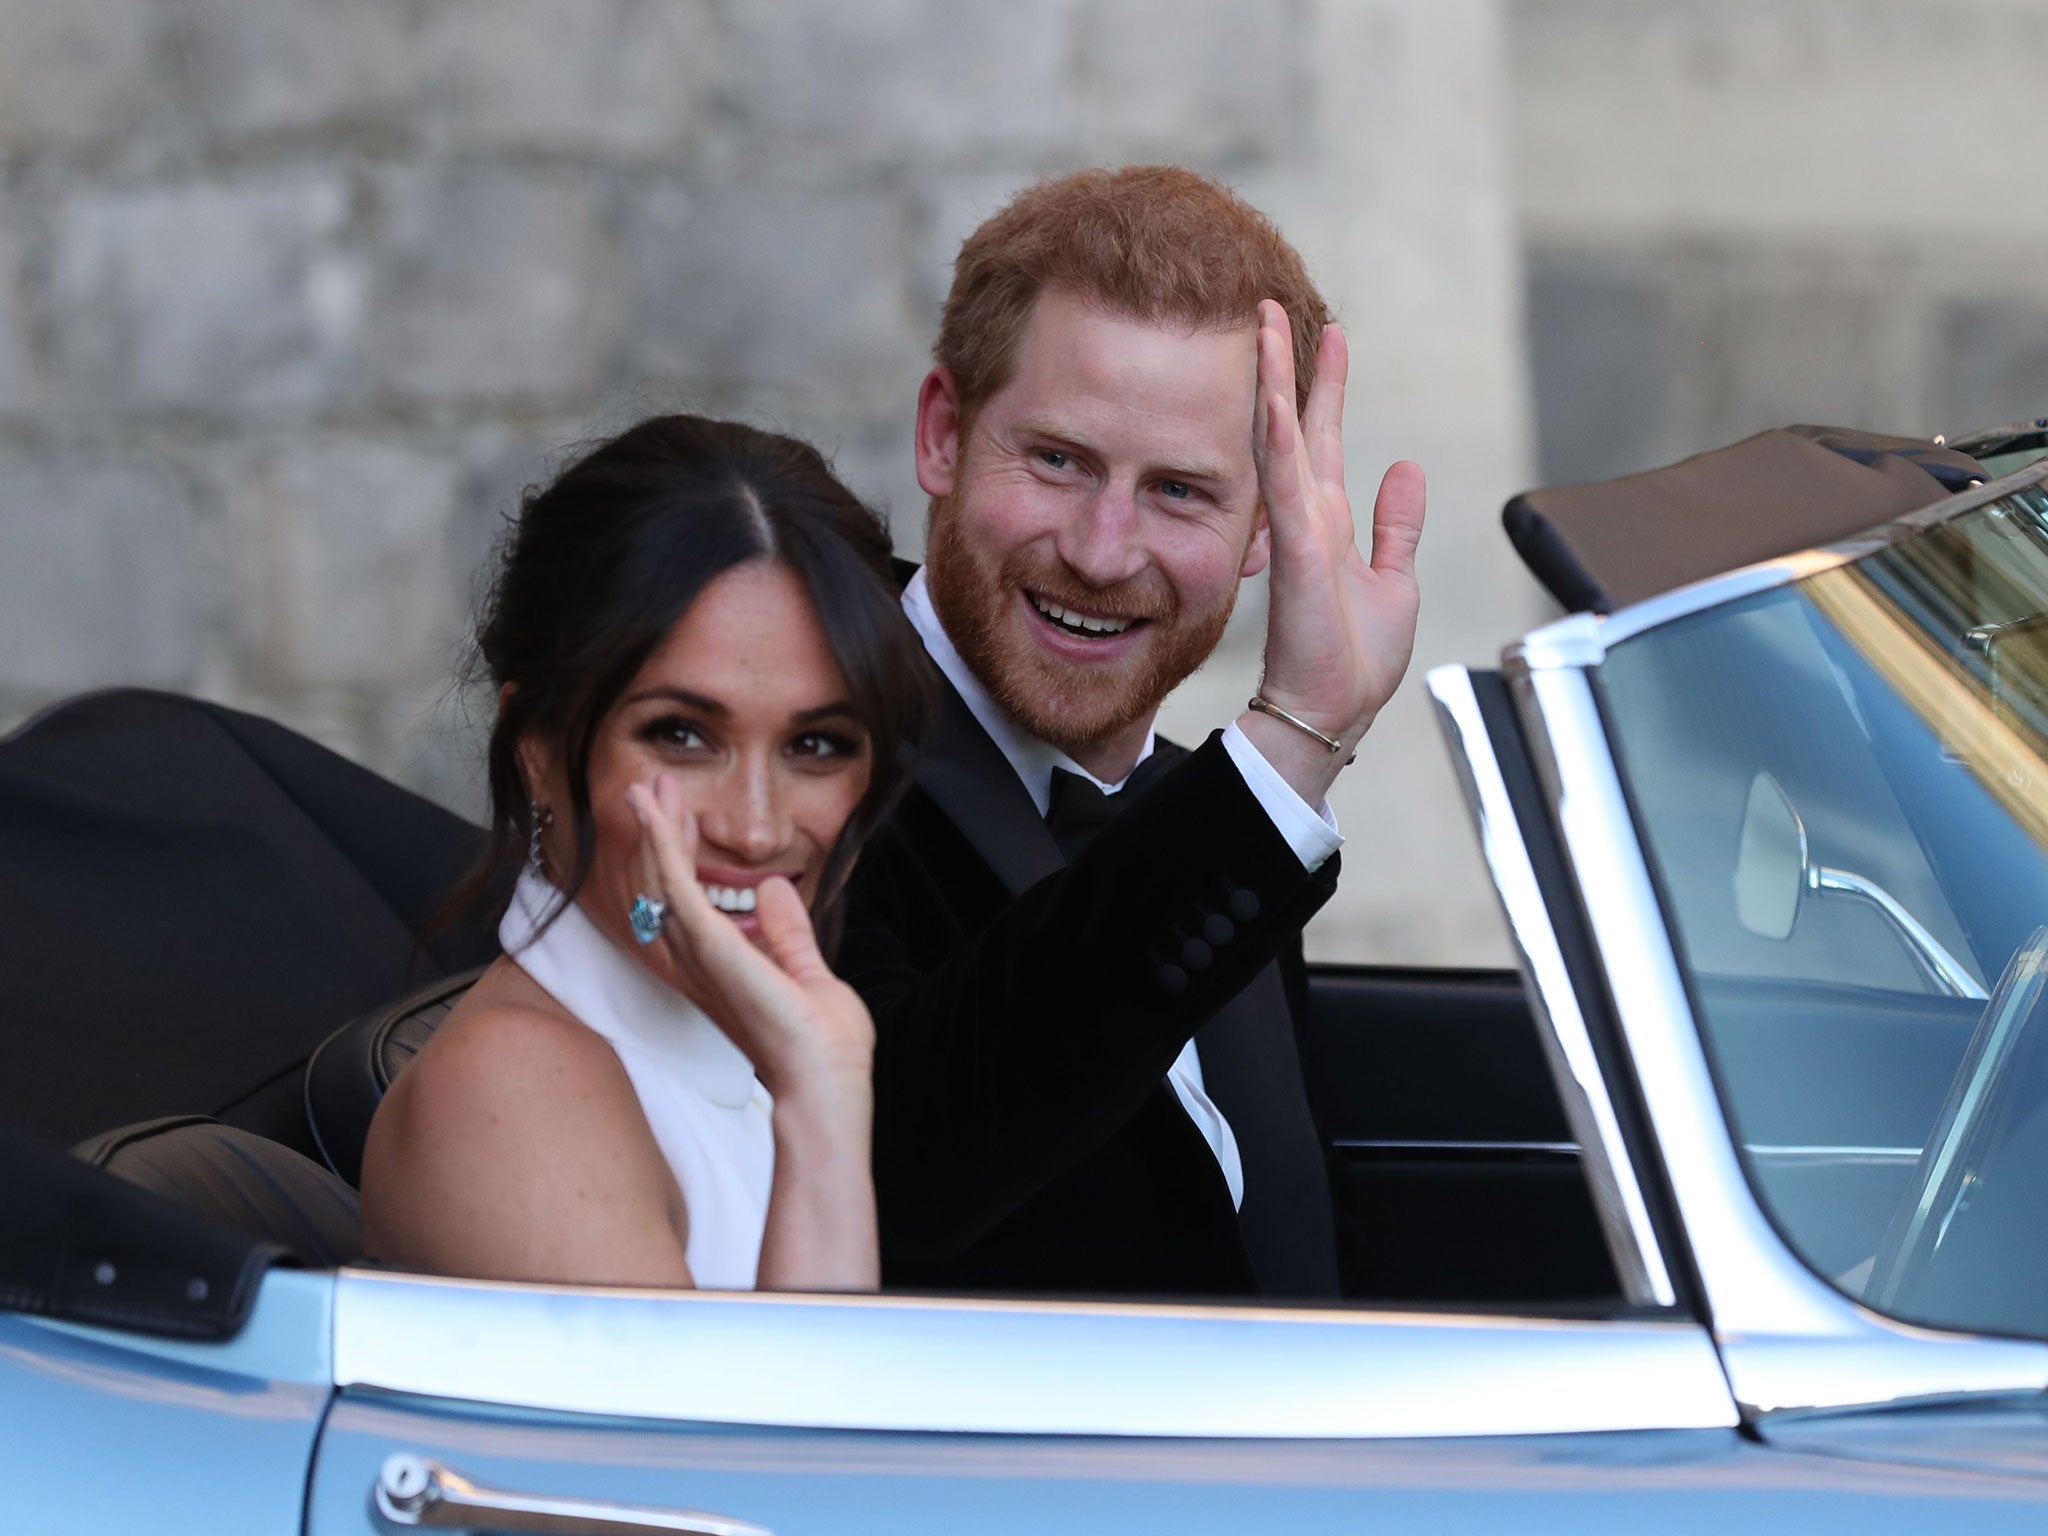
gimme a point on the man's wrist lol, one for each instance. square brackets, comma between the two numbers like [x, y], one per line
[1310, 829]
[1308, 766]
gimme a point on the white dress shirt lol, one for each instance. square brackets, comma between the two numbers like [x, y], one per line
[1312, 834]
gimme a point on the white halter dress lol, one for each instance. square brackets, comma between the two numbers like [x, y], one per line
[709, 1113]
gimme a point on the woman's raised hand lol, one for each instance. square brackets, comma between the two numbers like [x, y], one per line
[801, 1026]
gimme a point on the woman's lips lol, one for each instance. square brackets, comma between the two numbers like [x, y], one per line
[733, 892]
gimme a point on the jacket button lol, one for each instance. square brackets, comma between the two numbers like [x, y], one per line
[1196, 955]
[1244, 905]
[1218, 929]
[1172, 980]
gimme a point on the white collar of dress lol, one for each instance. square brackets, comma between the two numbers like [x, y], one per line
[611, 992]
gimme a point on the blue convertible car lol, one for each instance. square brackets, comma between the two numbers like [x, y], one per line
[1729, 1213]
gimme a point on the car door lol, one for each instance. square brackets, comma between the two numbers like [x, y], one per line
[809, 1414]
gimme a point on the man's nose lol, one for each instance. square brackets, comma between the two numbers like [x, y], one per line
[749, 820]
[1100, 544]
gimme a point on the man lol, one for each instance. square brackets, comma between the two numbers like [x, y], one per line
[1137, 403]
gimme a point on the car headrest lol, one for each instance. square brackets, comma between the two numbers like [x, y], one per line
[352, 1069]
[239, 1180]
[1604, 545]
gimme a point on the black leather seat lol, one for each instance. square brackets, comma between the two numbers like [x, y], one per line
[239, 1180]
[352, 1068]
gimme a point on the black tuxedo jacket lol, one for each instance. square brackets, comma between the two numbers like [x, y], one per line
[1026, 1014]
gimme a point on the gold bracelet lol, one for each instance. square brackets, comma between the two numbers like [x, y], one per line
[1266, 706]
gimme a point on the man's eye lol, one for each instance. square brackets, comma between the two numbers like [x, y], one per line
[1176, 490]
[1052, 458]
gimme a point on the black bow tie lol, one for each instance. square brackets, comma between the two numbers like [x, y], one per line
[1077, 809]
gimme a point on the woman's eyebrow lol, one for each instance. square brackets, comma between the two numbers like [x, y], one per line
[697, 701]
[824, 711]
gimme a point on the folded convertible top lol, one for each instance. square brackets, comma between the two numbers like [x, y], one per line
[1607, 544]
[80, 1245]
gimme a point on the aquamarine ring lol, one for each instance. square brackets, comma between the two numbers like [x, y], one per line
[646, 916]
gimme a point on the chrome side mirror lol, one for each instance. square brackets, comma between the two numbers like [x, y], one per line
[1770, 861]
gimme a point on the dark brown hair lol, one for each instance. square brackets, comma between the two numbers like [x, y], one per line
[599, 566]
[1154, 242]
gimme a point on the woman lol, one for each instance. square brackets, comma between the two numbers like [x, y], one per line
[705, 684]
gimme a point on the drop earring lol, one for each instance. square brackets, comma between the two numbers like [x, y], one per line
[542, 819]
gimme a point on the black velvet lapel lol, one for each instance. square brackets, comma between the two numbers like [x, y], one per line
[1249, 1063]
[974, 784]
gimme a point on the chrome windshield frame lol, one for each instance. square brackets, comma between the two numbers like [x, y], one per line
[1788, 1339]
[1617, 1192]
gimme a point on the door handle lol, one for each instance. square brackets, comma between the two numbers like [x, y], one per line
[415, 1491]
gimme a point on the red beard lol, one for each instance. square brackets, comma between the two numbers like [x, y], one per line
[1069, 704]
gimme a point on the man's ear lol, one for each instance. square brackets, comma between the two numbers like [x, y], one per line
[1260, 550]
[938, 432]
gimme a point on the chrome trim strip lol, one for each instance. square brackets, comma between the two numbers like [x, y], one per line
[1582, 639]
[1788, 1339]
[1545, 1148]
[1567, 1043]
[1035, 1368]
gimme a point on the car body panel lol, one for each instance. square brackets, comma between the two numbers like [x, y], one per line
[113, 1432]
[2007, 1437]
[809, 1483]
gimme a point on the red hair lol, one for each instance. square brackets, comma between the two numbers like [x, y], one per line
[1153, 242]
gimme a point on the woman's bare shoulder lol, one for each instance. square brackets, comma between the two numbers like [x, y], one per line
[514, 1113]
[505, 1042]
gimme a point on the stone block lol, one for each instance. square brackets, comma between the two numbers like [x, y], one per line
[951, 205]
[797, 286]
[211, 296]
[889, 79]
[1765, 337]
[256, 69]
[79, 72]
[499, 462]
[18, 384]
[1600, 364]
[1990, 364]
[433, 739]
[492, 282]
[622, 77]
[1825, 117]
[1190, 81]
[97, 574]
[341, 562]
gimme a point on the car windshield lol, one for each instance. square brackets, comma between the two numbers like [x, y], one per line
[1842, 786]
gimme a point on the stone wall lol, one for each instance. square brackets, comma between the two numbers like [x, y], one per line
[295, 299]
[1742, 213]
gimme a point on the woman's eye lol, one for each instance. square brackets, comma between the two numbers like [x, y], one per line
[824, 744]
[674, 732]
